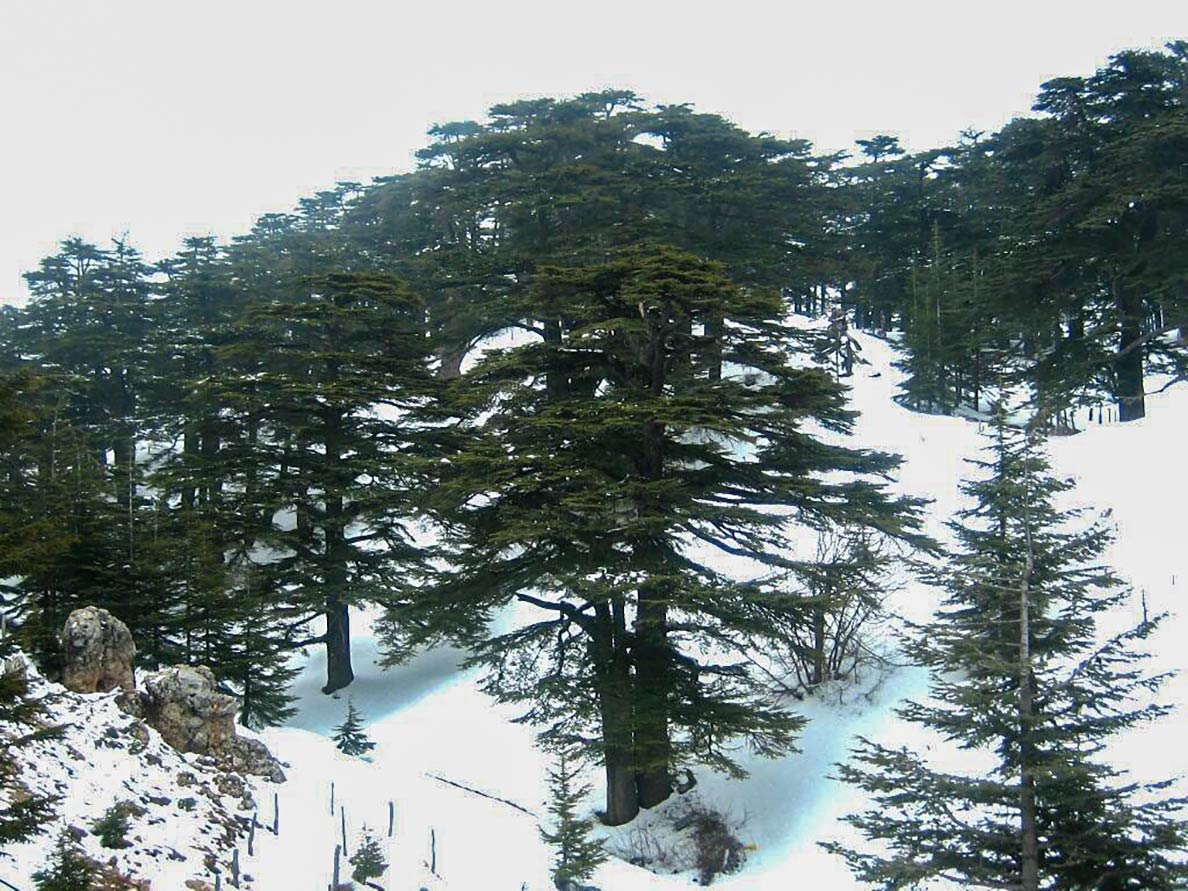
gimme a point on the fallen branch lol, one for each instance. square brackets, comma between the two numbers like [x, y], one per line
[480, 793]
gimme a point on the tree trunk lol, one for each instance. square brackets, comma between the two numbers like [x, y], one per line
[653, 681]
[1128, 365]
[1027, 811]
[339, 672]
[451, 362]
[819, 672]
[612, 676]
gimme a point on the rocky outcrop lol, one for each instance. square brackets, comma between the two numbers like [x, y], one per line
[250, 756]
[184, 705]
[98, 650]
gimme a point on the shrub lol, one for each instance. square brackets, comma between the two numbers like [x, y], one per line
[112, 828]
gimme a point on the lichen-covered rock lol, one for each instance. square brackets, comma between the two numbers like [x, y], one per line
[250, 756]
[184, 706]
[97, 651]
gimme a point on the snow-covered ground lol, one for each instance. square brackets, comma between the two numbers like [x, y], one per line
[429, 720]
[187, 810]
[435, 732]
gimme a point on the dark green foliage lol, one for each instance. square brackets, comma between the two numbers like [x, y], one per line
[604, 452]
[577, 853]
[1022, 675]
[112, 828]
[1050, 252]
[67, 870]
[26, 815]
[368, 860]
[351, 736]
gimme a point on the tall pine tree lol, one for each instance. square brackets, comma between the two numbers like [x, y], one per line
[1023, 675]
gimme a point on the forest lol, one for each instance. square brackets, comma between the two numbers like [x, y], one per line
[546, 372]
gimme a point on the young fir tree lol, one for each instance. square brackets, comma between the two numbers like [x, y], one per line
[1021, 674]
[68, 868]
[368, 860]
[577, 854]
[350, 736]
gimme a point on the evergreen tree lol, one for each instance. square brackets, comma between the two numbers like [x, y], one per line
[351, 736]
[335, 380]
[612, 467]
[1022, 674]
[26, 815]
[368, 860]
[577, 854]
[68, 869]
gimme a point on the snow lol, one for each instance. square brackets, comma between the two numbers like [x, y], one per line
[431, 724]
[99, 762]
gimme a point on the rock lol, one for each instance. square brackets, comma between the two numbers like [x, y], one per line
[230, 784]
[250, 756]
[182, 704]
[97, 650]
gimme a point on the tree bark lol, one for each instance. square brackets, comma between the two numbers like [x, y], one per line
[653, 681]
[339, 672]
[1128, 366]
[612, 676]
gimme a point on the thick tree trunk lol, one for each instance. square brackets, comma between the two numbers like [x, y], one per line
[1128, 366]
[653, 682]
[451, 362]
[339, 672]
[612, 675]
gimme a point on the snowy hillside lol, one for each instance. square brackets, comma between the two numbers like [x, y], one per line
[185, 817]
[431, 722]
[464, 786]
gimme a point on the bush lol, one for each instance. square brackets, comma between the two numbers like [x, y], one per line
[684, 835]
[718, 849]
[112, 828]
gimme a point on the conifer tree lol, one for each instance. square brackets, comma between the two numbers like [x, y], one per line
[336, 379]
[26, 814]
[612, 466]
[368, 860]
[351, 736]
[1022, 674]
[68, 868]
[577, 854]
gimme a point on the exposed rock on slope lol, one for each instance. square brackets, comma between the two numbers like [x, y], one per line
[185, 818]
[98, 651]
[184, 706]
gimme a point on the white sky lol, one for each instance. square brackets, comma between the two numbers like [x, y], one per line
[166, 118]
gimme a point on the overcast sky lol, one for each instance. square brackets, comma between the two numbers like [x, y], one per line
[165, 118]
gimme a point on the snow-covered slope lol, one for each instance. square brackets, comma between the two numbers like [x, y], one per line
[442, 746]
[187, 815]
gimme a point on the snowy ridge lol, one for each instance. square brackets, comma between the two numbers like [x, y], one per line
[188, 814]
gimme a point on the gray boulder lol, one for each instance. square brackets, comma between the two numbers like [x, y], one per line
[97, 650]
[183, 705]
